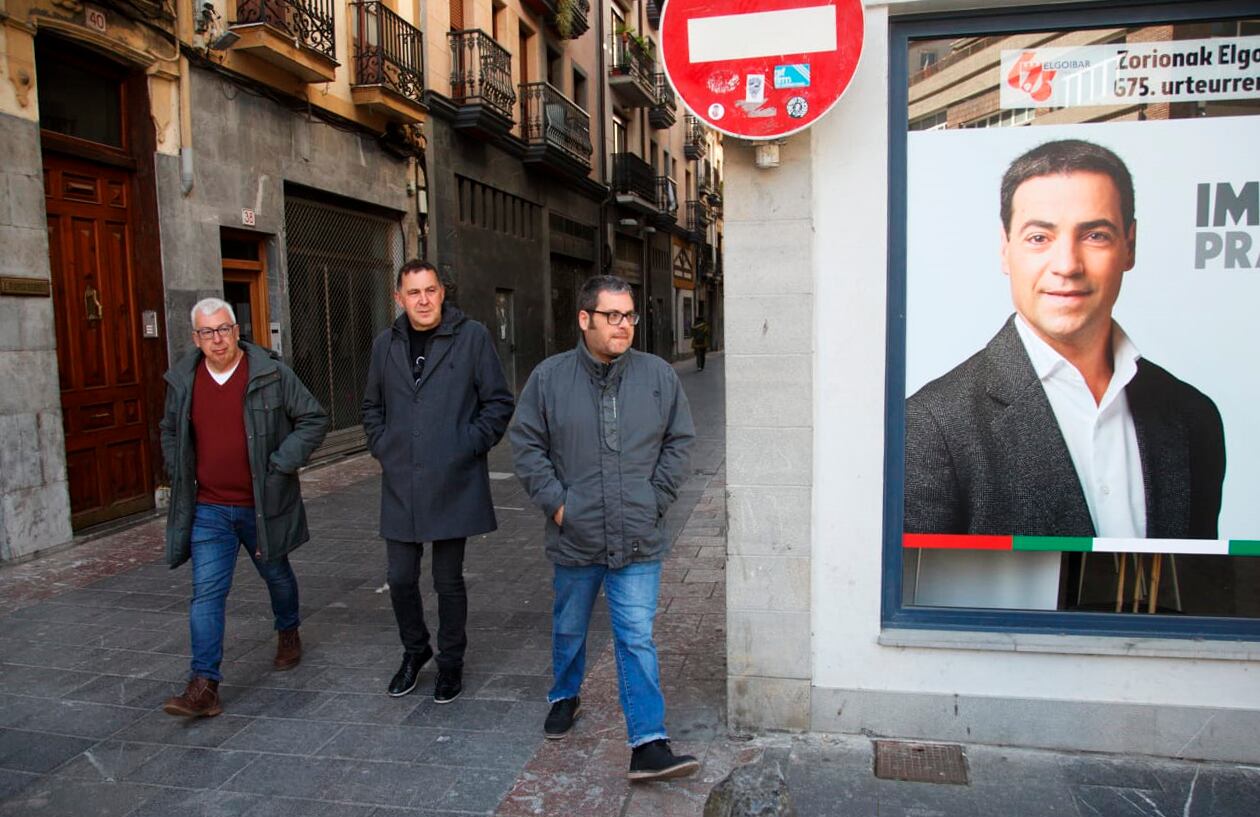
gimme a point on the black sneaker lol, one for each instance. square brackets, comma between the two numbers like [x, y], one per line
[655, 761]
[404, 681]
[448, 685]
[561, 717]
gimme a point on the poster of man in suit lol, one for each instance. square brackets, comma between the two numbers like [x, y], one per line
[1073, 365]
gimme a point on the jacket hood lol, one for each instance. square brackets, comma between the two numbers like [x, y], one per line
[452, 318]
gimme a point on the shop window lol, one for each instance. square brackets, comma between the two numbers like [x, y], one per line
[1076, 265]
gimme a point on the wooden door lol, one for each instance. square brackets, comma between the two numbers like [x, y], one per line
[104, 411]
[245, 285]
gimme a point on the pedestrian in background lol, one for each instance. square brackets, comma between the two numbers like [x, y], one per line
[237, 427]
[700, 341]
[436, 402]
[601, 440]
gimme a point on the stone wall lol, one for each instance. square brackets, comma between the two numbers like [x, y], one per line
[34, 498]
[769, 308]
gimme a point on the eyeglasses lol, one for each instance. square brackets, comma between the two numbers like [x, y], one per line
[614, 317]
[206, 333]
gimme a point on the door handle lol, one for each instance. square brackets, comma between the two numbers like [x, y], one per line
[92, 304]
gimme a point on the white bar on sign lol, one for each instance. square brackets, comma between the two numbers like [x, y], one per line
[762, 34]
[1205, 547]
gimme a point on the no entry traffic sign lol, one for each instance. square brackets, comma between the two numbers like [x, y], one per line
[760, 69]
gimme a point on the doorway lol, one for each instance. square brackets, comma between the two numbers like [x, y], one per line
[104, 269]
[245, 284]
[505, 334]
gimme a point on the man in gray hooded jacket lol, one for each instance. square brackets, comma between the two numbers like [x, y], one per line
[601, 439]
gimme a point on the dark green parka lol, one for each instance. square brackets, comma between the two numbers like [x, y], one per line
[284, 424]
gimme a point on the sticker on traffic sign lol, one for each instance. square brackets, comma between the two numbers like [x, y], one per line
[769, 67]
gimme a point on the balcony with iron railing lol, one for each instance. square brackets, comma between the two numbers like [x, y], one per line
[570, 19]
[632, 71]
[666, 201]
[694, 147]
[297, 36]
[556, 131]
[654, 12]
[661, 114]
[481, 83]
[388, 62]
[698, 218]
[634, 183]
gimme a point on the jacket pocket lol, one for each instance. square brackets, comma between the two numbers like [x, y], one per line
[280, 493]
[641, 507]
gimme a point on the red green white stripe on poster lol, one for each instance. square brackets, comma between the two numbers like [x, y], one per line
[1084, 544]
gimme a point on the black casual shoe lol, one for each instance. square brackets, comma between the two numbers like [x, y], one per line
[561, 717]
[655, 761]
[409, 673]
[448, 685]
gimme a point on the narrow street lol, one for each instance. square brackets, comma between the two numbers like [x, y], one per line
[95, 638]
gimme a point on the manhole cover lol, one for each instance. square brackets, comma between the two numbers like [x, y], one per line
[920, 762]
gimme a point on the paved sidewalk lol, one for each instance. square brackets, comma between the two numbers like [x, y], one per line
[93, 639]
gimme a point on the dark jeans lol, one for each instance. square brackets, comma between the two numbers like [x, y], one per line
[448, 582]
[700, 358]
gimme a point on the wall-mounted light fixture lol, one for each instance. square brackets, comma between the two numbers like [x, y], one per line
[209, 25]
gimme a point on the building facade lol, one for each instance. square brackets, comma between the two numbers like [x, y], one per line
[884, 226]
[289, 155]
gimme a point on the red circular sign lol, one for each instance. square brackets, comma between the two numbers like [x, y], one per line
[760, 69]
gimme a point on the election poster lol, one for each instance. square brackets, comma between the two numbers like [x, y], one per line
[985, 435]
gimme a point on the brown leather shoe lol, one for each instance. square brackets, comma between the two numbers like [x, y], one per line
[288, 650]
[200, 700]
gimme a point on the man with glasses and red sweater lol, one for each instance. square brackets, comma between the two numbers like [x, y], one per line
[238, 425]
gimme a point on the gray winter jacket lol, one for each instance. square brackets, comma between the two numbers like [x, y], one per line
[610, 443]
[432, 439]
[284, 424]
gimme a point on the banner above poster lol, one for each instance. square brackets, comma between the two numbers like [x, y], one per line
[1125, 73]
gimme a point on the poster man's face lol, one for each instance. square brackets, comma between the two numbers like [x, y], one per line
[1066, 253]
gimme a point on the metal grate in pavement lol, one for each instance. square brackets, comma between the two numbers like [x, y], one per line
[920, 762]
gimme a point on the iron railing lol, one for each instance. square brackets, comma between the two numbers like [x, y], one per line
[693, 144]
[388, 50]
[481, 71]
[632, 59]
[666, 195]
[697, 217]
[548, 117]
[654, 12]
[664, 92]
[570, 18]
[309, 22]
[633, 176]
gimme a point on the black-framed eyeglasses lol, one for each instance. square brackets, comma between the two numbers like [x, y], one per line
[614, 317]
[417, 368]
[205, 333]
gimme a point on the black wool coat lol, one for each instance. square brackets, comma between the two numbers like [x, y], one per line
[432, 438]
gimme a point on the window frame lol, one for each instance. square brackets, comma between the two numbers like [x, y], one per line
[901, 31]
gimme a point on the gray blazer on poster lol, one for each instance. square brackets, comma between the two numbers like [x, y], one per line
[984, 453]
[432, 438]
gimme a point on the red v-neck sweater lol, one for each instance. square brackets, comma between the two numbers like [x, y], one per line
[218, 421]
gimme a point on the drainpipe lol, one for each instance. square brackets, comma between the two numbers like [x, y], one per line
[184, 34]
[601, 93]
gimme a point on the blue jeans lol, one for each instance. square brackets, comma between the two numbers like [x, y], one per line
[631, 593]
[218, 531]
